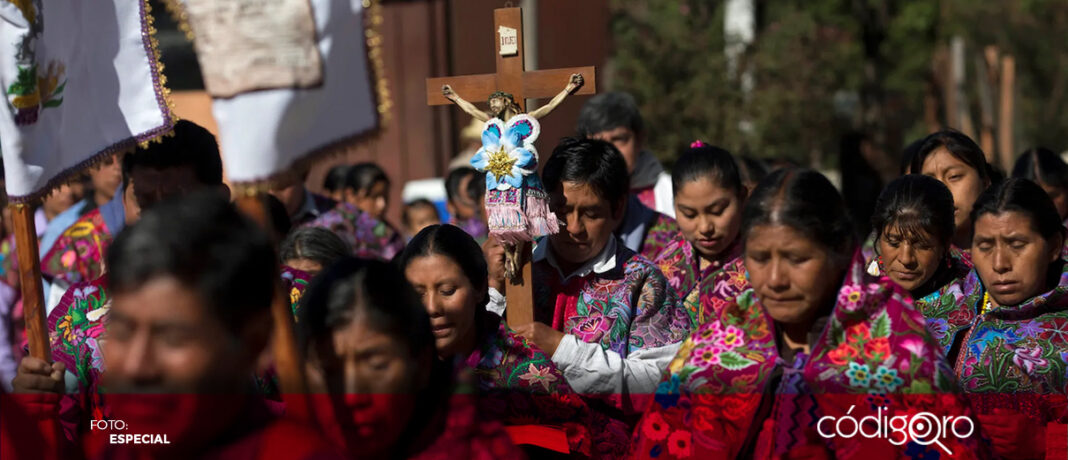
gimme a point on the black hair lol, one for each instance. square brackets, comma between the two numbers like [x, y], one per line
[995, 173]
[335, 178]
[957, 144]
[191, 145]
[806, 201]
[419, 203]
[779, 163]
[1043, 167]
[206, 244]
[375, 290]
[707, 162]
[1023, 196]
[476, 187]
[362, 176]
[277, 215]
[908, 154]
[860, 182]
[915, 203]
[751, 170]
[608, 111]
[591, 162]
[454, 179]
[454, 243]
[314, 243]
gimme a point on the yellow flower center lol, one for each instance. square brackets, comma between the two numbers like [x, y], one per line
[500, 163]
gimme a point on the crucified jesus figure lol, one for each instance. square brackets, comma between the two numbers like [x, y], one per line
[503, 106]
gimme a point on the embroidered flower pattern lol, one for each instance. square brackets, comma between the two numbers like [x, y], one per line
[1029, 329]
[858, 333]
[849, 298]
[708, 356]
[679, 444]
[667, 392]
[730, 338]
[1020, 352]
[877, 349]
[541, 376]
[739, 279]
[592, 328]
[638, 308]
[859, 375]
[874, 342]
[1029, 359]
[886, 379]
[938, 327]
[709, 333]
[65, 326]
[654, 427]
[843, 354]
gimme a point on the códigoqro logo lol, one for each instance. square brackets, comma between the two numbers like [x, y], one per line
[126, 438]
[923, 428]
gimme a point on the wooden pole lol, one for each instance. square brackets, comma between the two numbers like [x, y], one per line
[518, 291]
[286, 358]
[986, 107]
[30, 279]
[1005, 118]
[949, 89]
[512, 77]
[962, 113]
[26, 253]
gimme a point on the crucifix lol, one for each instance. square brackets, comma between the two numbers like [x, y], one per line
[507, 91]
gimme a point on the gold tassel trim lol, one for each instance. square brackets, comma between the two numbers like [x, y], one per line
[161, 84]
[373, 20]
[177, 11]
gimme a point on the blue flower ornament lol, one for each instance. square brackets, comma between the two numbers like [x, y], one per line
[507, 154]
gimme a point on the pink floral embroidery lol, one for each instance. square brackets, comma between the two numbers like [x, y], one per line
[592, 328]
[708, 356]
[1029, 359]
[671, 269]
[710, 333]
[730, 338]
[849, 298]
[738, 279]
[914, 345]
[542, 376]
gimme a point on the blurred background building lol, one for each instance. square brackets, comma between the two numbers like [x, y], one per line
[831, 84]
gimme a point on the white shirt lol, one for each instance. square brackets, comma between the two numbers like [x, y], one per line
[588, 367]
[602, 263]
[665, 195]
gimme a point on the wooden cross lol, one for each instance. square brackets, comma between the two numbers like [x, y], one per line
[511, 77]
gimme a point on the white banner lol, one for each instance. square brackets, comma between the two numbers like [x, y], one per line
[264, 133]
[80, 79]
